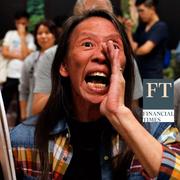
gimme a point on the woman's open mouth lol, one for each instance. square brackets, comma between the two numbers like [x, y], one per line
[97, 80]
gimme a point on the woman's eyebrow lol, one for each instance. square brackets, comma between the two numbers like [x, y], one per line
[92, 34]
[114, 36]
[85, 35]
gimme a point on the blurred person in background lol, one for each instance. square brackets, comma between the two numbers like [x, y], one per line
[3, 67]
[84, 5]
[177, 102]
[59, 21]
[177, 61]
[46, 36]
[149, 42]
[43, 76]
[17, 44]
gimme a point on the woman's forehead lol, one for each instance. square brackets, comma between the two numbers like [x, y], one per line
[96, 20]
[97, 25]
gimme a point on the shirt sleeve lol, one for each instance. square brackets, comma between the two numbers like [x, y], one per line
[7, 38]
[170, 164]
[43, 72]
[138, 88]
[158, 33]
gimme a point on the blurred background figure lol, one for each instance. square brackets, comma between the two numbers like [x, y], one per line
[59, 21]
[3, 68]
[46, 35]
[177, 62]
[177, 102]
[17, 45]
[83, 5]
[150, 40]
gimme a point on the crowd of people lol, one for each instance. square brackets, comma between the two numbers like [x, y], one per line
[78, 91]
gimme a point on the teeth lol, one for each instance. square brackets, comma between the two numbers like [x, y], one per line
[98, 74]
[96, 85]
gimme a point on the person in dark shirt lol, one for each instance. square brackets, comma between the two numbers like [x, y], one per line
[150, 40]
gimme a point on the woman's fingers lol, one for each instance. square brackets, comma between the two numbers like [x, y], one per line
[116, 90]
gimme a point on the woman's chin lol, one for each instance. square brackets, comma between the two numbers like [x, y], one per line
[96, 99]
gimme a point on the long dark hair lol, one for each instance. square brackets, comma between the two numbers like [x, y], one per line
[59, 105]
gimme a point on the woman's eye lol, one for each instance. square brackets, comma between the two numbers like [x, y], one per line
[87, 44]
[116, 46]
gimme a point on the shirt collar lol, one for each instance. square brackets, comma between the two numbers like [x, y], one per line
[60, 127]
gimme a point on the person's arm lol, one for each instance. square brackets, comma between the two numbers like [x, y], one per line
[39, 102]
[146, 48]
[158, 33]
[6, 45]
[9, 55]
[24, 44]
[145, 147]
[24, 86]
[128, 24]
[23, 109]
[24, 48]
[42, 87]
[139, 50]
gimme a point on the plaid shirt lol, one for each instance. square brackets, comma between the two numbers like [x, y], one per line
[170, 163]
[27, 159]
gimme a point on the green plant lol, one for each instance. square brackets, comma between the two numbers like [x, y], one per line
[125, 8]
[36, 10]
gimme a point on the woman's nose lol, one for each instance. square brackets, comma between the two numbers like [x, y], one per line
[99, 56]
[43, 35]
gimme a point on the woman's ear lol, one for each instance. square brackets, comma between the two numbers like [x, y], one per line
[63, 70]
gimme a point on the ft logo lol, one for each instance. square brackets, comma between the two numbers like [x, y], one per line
[158, 95]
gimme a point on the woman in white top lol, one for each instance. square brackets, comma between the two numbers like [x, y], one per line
[17, 45]
[46, 35]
